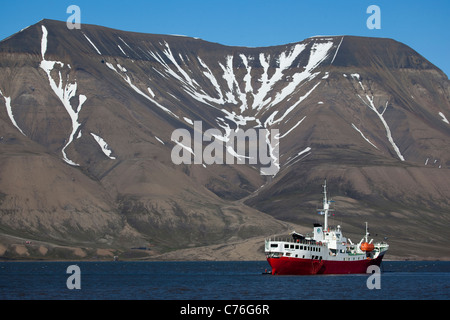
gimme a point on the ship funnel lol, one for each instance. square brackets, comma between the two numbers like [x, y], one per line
[318, 232]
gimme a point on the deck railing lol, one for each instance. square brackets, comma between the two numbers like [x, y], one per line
[294, 241]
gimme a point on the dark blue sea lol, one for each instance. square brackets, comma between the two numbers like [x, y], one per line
[398, 280]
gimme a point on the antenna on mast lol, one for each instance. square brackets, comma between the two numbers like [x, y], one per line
[367, 232]
[326, 206]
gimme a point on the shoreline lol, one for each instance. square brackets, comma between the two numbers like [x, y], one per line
[251, 249]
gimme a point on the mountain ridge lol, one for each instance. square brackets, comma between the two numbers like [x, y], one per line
[96, 108]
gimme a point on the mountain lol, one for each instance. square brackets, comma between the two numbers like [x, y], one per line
[107, 138]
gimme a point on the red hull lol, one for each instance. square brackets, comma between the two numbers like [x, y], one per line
[297, 266]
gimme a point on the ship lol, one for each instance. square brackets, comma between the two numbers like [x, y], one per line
[325, 251]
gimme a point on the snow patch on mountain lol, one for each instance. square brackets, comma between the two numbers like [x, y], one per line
[369, 102]
[227, 85]
[362, 135]
[210, 76]
[228, 75]
[151, 92]
[64, 92]
[248, 75]
[10, 113]
[295, 126]
[162, 142]
[168, 52]
[285, 60]
[319, 52]
[121, 68]
[371, 105]
[189, 149]
[291, 160]
[103, 145]
[128, 80]
[443, 118]
[337, 50]
[90, 41]
[271, 119]
[188, 120]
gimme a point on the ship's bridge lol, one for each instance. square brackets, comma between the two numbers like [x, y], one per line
[332, 236]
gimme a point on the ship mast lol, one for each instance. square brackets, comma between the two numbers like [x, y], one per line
[367, 233]
[326, 205]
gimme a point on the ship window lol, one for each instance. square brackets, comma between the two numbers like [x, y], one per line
[286, 246]
[274, 245]
[296, 247]
[292, 246]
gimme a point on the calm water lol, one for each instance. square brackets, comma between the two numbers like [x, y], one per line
[216, 281]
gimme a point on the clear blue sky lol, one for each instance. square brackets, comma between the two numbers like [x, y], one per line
[422, 25]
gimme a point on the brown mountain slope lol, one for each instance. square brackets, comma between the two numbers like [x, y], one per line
[87, 118]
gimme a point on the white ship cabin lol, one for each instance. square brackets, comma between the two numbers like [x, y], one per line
[329, 244]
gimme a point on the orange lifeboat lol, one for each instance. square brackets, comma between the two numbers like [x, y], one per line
[367, 246]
